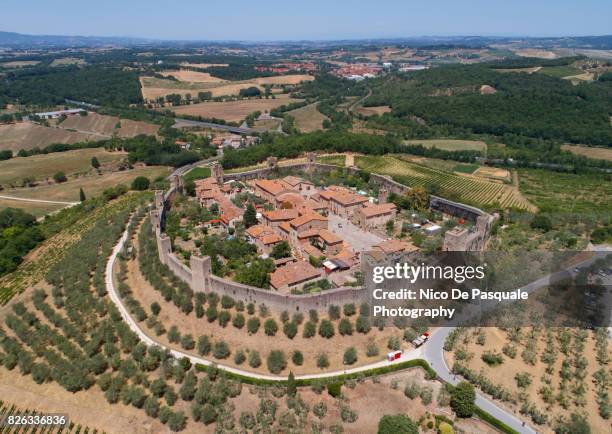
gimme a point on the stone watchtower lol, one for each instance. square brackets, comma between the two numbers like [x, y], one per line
[200, 273]
[383, 195]
[217, 173]
[176, 182]
[311, 161]
[272, 162]
[159, 199]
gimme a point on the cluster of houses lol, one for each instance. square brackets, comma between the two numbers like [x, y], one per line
[297, 212]
[233, 140]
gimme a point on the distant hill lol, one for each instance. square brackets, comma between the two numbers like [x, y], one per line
[11, 39]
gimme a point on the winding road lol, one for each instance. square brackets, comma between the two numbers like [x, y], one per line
[432, 352]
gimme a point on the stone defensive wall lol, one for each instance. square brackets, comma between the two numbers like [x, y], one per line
[198, 275]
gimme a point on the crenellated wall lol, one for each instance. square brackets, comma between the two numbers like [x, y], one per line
[199, 274]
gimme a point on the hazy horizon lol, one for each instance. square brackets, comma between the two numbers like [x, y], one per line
[318, 20]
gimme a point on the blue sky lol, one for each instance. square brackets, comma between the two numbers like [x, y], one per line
[306, 19]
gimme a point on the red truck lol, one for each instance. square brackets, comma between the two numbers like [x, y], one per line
[394, 355]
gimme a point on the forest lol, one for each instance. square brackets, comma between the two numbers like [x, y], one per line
[293, 146]
[47, 86]
[18, 235]
[533, 105]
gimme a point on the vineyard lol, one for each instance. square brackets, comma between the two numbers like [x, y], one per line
[462, 188]
[37, 263]
[7, 410]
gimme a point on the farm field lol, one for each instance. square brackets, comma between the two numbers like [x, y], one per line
[19, 63]
[535, 52]
[106, 126]
[38, 262]
[26, 135]
[450, 144]
[560, 71]
[68, 61]
[527, 70]
[469, 189]
[545, 385]
[91, 185]
[308, 118]
[37, 209]
[589, 151]
[566, 192]
[192, 76]
[371, 111]
[233, 110]
[44, 166]
[203, 65]
[153, 88]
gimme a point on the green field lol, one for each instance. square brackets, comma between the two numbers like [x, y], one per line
[197, 173]
[40, 167]
[451, 145]
[445, 183]
[566, 192]
[560, 71]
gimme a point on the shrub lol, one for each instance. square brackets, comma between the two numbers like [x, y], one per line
[309, 329]
[276, 361]
[221, 350]
[350, 356]
[140, 183]
[397, 424]
[445, 428]
[412, 390]
[463, 397]
[320, 409]
[362, 325]
[394, 343]
[224, 318]
[254, 359]
[349, 309]
[247, 420]
[426, 395]
[270, 327]
[492, 358]
[204, 345]
[253, 325]
[174, 336]
[208, 414]
[313, 316]
[187, 342]
[297, 358]
[345, 327]
[334, 389]
[239, 357]
[238, 321]
[211, 313]
[326, 329]
[60, 177]
[227, 302]
[322, 361]
[372, 350]
[333, 312]
[290, 329]
[523, 379]
[155, 308]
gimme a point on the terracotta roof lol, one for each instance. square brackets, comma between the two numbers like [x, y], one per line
[285, 226]
[307, 218]
[308, 234]
[257, 230]
[329, 237]
[394, 246]
[281, 214]
[293, 198]
[343, 196]
[271, 186]
[272, 238]
[293, 274]
[294, 180]
[377, 210]
[311, 250]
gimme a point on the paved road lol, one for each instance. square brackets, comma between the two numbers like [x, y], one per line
[432, 351]
[114, 296]
[180, 122]
[23, 199]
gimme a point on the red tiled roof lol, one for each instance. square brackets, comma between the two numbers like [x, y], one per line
[293, 274]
